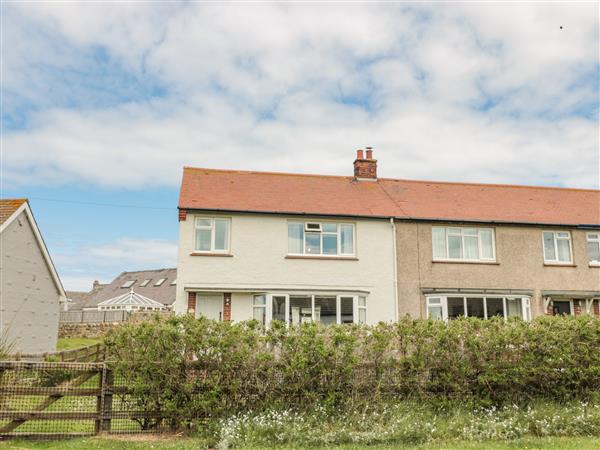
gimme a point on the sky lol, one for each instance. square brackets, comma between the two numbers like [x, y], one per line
[104, 103]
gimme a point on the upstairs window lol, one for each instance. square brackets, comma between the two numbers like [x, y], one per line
[593, 248]
[212, 235]
[557, 247]
[144, 283]
[159, 281]
[128, 284]
[321, 238]
[463, 244]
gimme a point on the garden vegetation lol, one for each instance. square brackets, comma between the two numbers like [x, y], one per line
[410, 381]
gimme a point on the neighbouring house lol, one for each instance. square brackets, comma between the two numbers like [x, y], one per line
[144, 290]
[31, 294]
[337, 249]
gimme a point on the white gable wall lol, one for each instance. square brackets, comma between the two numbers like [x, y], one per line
[29, 297]
[259, 246]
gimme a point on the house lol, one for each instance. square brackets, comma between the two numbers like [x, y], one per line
[151, 289]
[31, 293]
[338, 249]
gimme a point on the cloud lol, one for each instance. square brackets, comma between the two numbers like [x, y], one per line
[459, 92]
[80, 266]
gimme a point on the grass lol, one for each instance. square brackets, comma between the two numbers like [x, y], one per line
[175, 443]
[71, 343]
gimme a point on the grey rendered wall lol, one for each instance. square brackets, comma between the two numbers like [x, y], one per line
[29, 299]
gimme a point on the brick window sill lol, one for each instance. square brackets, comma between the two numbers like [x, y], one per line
[226, 255]
[450, 261]
[596, 265]
[326, 258]
[559, 265]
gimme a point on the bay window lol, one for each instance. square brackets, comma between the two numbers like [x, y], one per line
[327, 309]
[452, 306]
[463, 243]
[557, 247]
[321, 238]
[211, 234]
[593, 248]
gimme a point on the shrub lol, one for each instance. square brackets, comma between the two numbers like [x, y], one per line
[188, 368]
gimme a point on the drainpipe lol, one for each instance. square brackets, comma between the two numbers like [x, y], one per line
[395, 263]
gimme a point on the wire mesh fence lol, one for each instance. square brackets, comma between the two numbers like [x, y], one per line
[53, 400]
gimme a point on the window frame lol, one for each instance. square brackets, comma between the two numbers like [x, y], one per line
[443, 302]
[159, 282]
[462, 235]
[321, 232]
[213, 234]
[262, 306]
[557, 261]
[356, 307]
[588, 239]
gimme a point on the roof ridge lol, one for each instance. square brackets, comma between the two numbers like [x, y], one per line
[261, 172]
[145, 270]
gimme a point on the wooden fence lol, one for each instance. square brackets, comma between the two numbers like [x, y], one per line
[43, 400]
[94, 316]
[89, 353]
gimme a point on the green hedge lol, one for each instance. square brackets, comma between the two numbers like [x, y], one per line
[188, 367]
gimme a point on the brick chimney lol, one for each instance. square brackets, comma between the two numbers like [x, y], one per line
[365, 168]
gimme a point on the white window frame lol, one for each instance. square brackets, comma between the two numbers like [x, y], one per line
[128, 283]
[160, 281]
[462, 235]
[595, 240]
[212, 229]
[569, 300]
[525, 303]
[145, 282]
[259, 306]
[556, 238]
[338, 233]
[338, 302]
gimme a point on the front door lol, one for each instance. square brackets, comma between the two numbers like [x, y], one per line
[209, 306]
[561, 308]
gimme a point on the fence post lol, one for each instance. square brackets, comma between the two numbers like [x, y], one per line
[105, 400]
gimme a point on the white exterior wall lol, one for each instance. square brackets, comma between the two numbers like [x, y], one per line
[259, 246]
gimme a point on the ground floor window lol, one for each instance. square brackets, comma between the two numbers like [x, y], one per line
[562, 307]
[296, 309]
[444, 307]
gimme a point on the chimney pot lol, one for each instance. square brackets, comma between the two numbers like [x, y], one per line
[369, 153]
[360, 154]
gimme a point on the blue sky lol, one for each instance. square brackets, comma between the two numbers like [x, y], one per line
[102, 105]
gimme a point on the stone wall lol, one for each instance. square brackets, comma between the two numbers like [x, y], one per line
[98, 330]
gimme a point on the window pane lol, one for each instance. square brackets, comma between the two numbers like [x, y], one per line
[313, 243]
[475, 307]
[471, 247]
[470, 231]
[300, 310]
[330, 244]
[203, 222]
[347, 309]
[549, 254]
[513, 307]
[456, 307]
[325, 310]
[439, 242]
[279, 308]
[221, 234]
[260, 300]
[295, 237]
[435, 312]
[203, 240]
[362, 315]
[330, 227]
[455, 247]
[487, 244]
[347, 237]
[362, 301]
[434, 301]
[561, 308]
[495, 307]
[593, 251]
[593, 237]
[564, 252]
[260, 314]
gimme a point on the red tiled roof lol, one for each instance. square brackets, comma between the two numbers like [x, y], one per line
[266, 192]
[8, 207]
